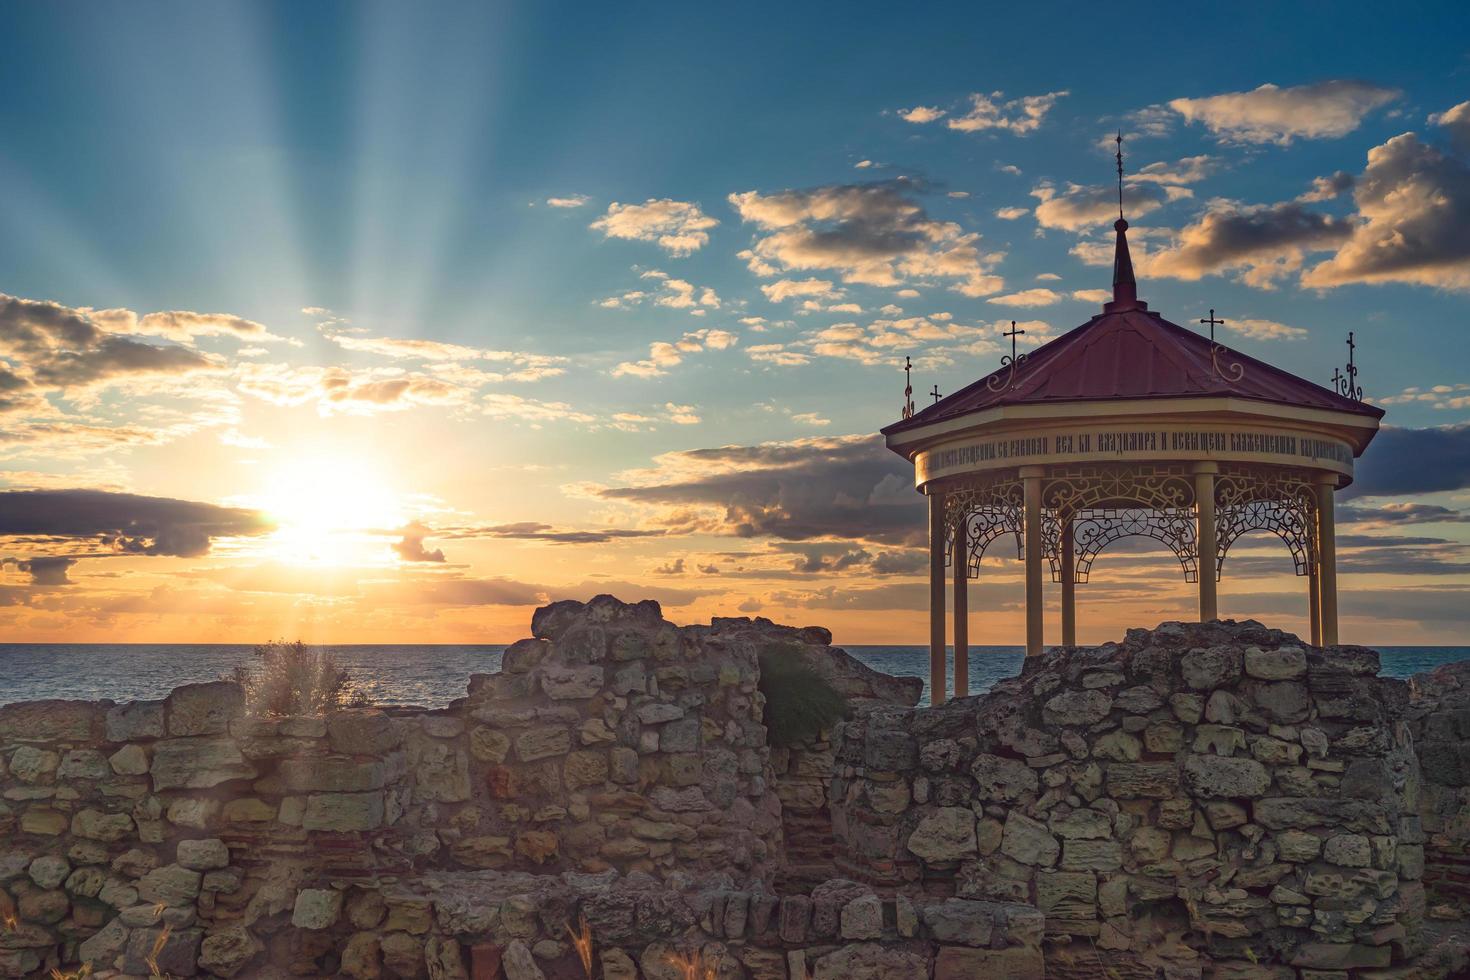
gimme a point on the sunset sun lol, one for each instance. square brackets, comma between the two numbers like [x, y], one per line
[331, 510]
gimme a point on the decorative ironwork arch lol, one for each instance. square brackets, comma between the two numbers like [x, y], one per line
[1109, 502]
[1094, 529]
[1281, 502]
[986, 509]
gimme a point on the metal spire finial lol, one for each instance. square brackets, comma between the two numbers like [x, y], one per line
[936, 394]
[908, 389]
[1120, 174]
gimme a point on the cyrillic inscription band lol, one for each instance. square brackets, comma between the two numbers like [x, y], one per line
[1137, 442]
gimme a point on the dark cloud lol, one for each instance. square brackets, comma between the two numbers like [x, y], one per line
[63, 347]
[900, 562]
[44, 570]
[114, 356]
[1414, 206]
[411, 548]
[844, 487]
[1266, 242]
[536, 531]
[1401, 513]
[874, 233]
[675, 567]
[125, 522]
[819, 557]
[1411, 461]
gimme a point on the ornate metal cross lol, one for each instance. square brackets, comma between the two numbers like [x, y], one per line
[1011, 360]
[936, 394]
[1212, 322]
[1347, 384]
[1236, 370]
[908, 389]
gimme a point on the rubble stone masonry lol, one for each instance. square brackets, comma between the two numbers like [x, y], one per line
[1196, 801]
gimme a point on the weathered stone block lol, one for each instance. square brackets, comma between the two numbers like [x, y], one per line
[203, 855]
[316, 908]
[130, 760]
[96, 825]
[204, 709]
[1077, 708]
[364, 731]
[1028, 841]
[1218, 776]
[198, 763]
[870, 961]
[567, 683]
[1211, 667]
[1002, 780]
[1142, 780]
[343, 811]
[862, 918]
[1091, 855]
[944, 834]
[543, 743]
[1284, 664]
[172, 885]
[1011, 963]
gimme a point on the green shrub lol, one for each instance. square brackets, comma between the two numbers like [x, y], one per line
[294, 679]
[800, 703]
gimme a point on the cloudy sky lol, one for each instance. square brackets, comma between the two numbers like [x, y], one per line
[383, 323]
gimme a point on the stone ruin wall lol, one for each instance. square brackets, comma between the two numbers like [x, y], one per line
[1439, 717]
[1216, 797]
[1112, 813]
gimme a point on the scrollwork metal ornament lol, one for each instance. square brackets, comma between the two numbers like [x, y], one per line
[983, 510]
[1237, 370]
[1347, 384]
[1010, 361]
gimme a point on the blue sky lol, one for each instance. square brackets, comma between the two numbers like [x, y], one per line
[597, 195]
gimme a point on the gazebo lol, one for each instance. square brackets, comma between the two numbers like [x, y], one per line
[1128, 425]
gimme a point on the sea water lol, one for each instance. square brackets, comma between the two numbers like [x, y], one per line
[432, 675]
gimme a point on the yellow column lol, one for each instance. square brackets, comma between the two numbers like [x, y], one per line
[936, 596]
[1327, 545]
[961, 614]
[1204, 509]
[1031, 482]
[1069, 587]
[1314, 600]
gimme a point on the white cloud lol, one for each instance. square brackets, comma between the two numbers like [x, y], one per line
[1271, 114]
[569, 201]
[1189, 170]
[1265, 329]
[921, 114]
[1011, 214]
[1020, 116]
[1091, 295]
[663, 355]
[785, 289]
[1027, 297]
[678, 227]
[1080, 207]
